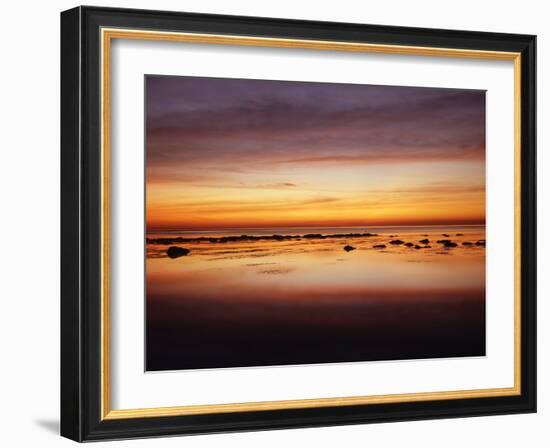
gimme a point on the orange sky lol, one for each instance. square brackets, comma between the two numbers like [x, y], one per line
[246, 153]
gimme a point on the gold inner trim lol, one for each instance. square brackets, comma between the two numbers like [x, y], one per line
[105, 225]
[107, 34]
[517, 222]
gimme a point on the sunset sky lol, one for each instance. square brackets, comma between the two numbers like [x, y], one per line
[227, 153]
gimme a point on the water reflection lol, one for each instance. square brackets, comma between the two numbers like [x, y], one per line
[267, 302]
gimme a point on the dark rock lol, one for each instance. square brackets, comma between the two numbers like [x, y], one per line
[459, 234]
[314, 236]
[427, 247]
[450, 244]
[379, 246]
[244, 237]
[348, 248]
[424, 241]
[480, 243]
[409, 244]
[175, 252]
[445, 235]
[417, 246]
[467, 243]
[396, 242]
[444, 241]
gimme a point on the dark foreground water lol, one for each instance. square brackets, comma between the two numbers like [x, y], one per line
[267, 302]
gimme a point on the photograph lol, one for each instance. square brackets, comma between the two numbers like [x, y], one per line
[296, 222]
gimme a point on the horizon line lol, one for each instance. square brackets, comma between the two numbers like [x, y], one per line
[176, 229]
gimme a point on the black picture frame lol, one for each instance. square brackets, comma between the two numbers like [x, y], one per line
[81, 414]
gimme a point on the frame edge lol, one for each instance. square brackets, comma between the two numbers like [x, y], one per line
[529, 222]
[71, 366]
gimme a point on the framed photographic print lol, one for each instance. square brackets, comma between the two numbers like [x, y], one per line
[273, 223]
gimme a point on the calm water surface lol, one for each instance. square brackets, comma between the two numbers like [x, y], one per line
[252, 303]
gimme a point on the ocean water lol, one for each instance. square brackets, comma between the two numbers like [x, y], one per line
[299, 301]
[387, 230]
